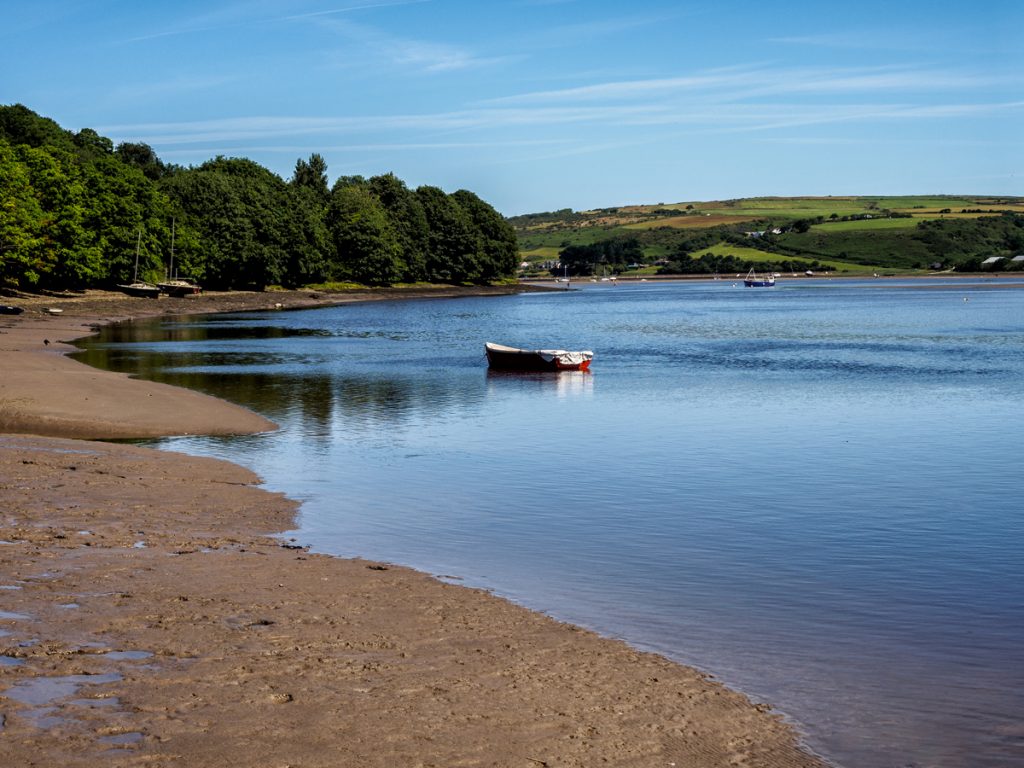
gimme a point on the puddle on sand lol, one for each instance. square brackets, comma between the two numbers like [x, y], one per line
[13, 615]
[122, 739]
[9, 586]
[111, 702]
[38, 691]
[10, 661]
[128, 655]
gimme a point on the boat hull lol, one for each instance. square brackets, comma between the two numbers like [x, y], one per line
[140, 290]
[178, 289]
[759, 283]
[503, 358]
[7, 309]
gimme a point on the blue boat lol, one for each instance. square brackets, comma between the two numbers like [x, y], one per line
[753, 280]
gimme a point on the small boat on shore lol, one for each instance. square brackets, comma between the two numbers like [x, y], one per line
[177, 286]
[500, 357]
[754, 280]
[7, 309]
[137, 287]
[140, 290]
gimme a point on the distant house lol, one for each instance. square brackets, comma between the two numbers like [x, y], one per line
[991, 260]
[1018, 258]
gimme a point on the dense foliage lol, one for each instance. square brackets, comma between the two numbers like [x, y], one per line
[606, 256]
[75, 210]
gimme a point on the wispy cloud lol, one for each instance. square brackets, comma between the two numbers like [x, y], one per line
[920, 39]
[416, 55]
[178, 85]
[249, 14]
[352, 8]
[742, 82]
[298, 149]
[846, 40]
[262, 128]
[739, 118]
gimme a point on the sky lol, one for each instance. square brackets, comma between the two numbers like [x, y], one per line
[539, 105]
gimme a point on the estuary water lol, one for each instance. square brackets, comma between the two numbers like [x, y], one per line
[812, 491]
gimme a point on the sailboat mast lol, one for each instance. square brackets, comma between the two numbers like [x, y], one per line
[170, 268]
[138, 242]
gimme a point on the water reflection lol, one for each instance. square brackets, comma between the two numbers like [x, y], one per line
[309, 388]
[558, 383]
[812, 492]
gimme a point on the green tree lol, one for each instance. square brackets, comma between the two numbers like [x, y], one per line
[496, 240]
[367, 247]
[405, 211]
[312, 175]
[240, 213]
[20, 125]
[142, 156]
[452, 253]
[21, 222]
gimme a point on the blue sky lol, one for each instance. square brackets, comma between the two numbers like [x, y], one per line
[543, 104]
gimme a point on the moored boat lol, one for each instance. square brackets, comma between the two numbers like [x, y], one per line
[174, 285]
[505, 358]
[7, 309]
[139, 288]
[754, 280]
[179, 287]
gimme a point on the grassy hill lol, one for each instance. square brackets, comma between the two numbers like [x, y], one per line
[848, 235]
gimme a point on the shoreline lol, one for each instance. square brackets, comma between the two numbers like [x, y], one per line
[154, 586]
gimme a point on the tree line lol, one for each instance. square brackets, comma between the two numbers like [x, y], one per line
[73, 205]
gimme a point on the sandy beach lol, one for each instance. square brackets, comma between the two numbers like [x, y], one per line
[151, 615]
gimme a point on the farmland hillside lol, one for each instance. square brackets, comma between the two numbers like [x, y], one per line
[851, 235]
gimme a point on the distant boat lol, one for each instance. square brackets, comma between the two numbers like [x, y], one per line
[753, 280]
[505, 358]
[174, 285]
[138, 288]
[7, 309]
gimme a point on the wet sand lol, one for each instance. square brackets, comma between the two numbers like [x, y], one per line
[150, 616]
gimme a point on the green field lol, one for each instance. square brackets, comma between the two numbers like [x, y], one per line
[950, 231]
[866, 225]
[754, 255]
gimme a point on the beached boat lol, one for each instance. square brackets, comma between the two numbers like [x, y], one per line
[138, 287]
[178, 287]
[174, 285]
[7, 309]
[140, 290]
[505, 358]
[754, 280]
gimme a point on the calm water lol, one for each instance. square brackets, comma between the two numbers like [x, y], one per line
[813, 491]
